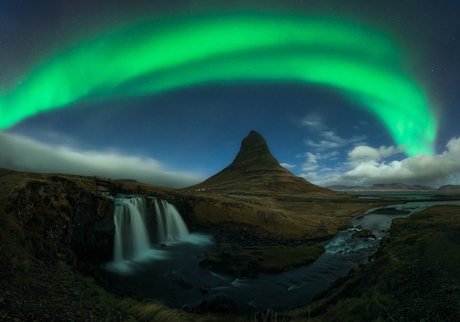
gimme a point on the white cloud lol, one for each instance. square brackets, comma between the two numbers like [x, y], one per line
[314, 122]
[311, 176]
[312, 160]
[366, 168]
[333, 141]
[331, 155]
[288, 166]
[23, 154]
[362, 154]
[311, 163]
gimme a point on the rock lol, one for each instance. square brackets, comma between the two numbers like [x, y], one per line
[269, 215]
[186, 285]
[365, 233]
[92, 239]
[189, 309]
[359, 227]
[206, 263]
[103, 189]
[163, 245]
[204, 289]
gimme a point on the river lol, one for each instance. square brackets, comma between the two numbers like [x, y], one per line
[173, 274]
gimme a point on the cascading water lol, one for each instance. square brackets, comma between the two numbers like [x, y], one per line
[170, 224]
[131, 237]
[133, 252]
[131, 240]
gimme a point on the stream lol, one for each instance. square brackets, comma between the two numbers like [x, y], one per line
[172, 273]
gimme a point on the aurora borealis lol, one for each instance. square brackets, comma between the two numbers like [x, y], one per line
[176, 86]
[175, 52]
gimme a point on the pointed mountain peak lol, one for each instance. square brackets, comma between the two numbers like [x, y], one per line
[255, 171]
[254, 139]
[253, 151]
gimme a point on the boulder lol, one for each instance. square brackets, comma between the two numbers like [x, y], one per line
[365, 233]
[204, 289]
[183, 283]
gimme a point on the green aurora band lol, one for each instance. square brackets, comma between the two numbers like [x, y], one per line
[166, 54]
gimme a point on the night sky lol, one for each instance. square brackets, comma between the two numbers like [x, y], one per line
[344, 92]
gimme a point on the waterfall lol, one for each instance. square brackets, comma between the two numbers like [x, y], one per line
[170, 223]
[132, 248]
[131, 238]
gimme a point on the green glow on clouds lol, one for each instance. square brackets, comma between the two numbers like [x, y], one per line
[158, 56]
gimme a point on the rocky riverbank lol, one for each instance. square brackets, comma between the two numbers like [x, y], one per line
[249, 261]
[415, 276]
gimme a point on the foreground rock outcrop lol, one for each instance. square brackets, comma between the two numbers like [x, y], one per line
[60, 217]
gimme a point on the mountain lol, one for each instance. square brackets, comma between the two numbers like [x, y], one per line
[423, 187]
[392, 186]
[449, 187]
[386, 187]
[255, 171]
[343, 187]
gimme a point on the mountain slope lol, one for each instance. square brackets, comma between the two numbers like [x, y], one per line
[385, 187]
[255, 171]
[449, 187]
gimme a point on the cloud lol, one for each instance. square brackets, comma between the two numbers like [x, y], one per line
[330, 140]
[312, 160]
[333, 141]
[366, 167]
[331, 155]
[311, 163]
[314, 122]
[362, 154]
[287, 165]
[23, 154]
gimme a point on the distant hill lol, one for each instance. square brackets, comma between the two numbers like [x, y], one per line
[343, 187]
[255, 171]
[449, 187]
[393, 186]
[423, 187]
[386, 187]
